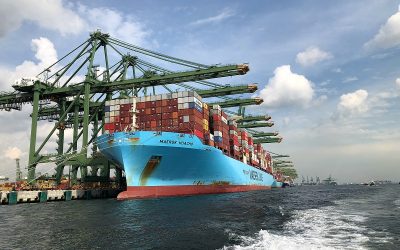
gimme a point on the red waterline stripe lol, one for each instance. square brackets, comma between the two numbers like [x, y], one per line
[165, 191]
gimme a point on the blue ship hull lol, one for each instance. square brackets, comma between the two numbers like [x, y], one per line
[169, 164]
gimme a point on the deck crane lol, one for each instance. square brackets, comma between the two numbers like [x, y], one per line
[72, 92]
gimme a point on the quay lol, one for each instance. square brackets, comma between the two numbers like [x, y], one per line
[15, 197]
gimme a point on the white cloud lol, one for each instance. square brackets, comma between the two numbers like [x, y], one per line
[13, 152]
[286, 120]
[58, 16]
[337, 70]
[311, 56]
[46, 55]
[321, 99]
[388, 35]
[51, 15]
[226, 13]
[350, 79]
[286, 88]
[353, 103]
[398, 82]
[118, 25]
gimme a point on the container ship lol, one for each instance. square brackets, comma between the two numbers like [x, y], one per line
[175, 144]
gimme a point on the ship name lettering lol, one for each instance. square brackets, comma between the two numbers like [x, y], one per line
[168, 141]
[186, 143]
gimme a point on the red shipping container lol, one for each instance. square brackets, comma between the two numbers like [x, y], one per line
[109, 126]
[116, 118]
[140, 105]
[124, 113]
[199, 133]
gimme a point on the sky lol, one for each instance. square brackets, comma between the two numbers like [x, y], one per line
[328, 71]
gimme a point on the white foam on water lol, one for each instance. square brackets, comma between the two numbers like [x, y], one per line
[329, 227]
[397, 203]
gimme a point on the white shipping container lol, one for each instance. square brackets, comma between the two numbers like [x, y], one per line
[185, 105]
[185, 99]
[244, 159]
[174, 95]
[216, 112]
[180, 106]
[107, 119]
[147, 98]
[185, 93]
[112, 102]
[180, 94]
[180, 100]
[164, 97]
[216, 106]
[111, 119]
[218, 133]
[117, 101]
[211, 137]
[106, 114]
[224, 120]
[198, 96]
[112, 113]
[116, 113]
[186, 118]
[108, 103]
[153, 98]
[198, 102]
[158, 97]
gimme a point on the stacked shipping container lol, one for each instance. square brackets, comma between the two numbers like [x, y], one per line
[185, 112]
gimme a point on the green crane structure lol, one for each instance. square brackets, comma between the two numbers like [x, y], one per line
[284, 166]
[72, 93]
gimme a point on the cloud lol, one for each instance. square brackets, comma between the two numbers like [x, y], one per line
[321, 99]
[50, 15]
[337, 70]
[311, 56]
[13, 153]
[46, 55]
[286, 88]
[226, 13]
[353, 103]
[388, 35]
[397, 82]
[118, 25]
[350, 79]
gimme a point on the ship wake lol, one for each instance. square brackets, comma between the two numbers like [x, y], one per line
[331, 227]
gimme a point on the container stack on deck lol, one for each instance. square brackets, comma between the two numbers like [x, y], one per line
[185, 112]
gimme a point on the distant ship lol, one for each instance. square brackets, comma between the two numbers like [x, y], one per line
[329, 181]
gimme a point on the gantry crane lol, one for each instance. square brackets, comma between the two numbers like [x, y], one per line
[72, 93]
